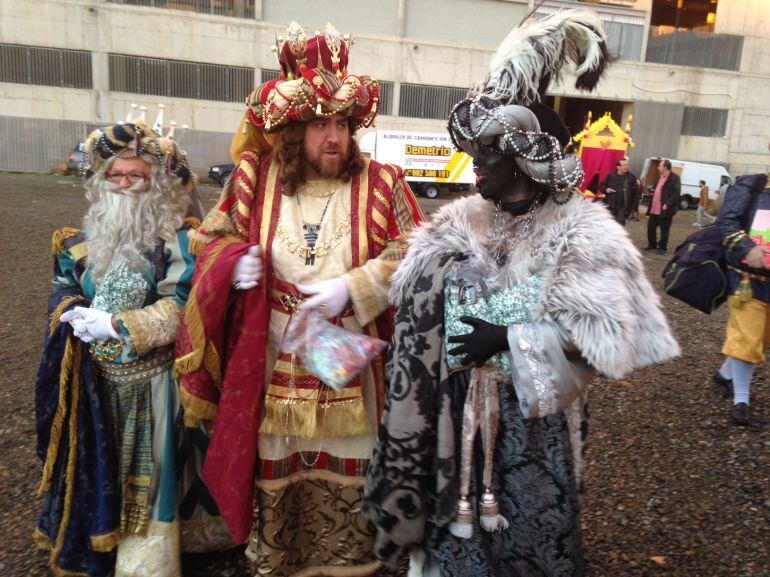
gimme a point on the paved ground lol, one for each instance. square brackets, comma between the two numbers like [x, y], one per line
[672, 488]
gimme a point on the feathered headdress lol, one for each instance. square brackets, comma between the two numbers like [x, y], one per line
[534, 54]
[505, 111]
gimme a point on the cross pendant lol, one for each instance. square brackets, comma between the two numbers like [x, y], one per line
[311, 236]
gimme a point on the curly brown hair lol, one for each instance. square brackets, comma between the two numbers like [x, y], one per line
[288, 151]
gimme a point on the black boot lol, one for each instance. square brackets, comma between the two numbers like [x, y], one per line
[722, 385]
[740, 414]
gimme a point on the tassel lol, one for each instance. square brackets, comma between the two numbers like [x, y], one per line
[744, 290]
[462, 526]
[491, 519]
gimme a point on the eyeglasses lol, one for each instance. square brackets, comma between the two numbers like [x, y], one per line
[133, 177]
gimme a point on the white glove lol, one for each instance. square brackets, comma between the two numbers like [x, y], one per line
[248, 269]
[329, 296]
[91, 324]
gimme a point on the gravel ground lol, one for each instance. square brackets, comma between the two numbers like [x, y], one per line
[672, 488]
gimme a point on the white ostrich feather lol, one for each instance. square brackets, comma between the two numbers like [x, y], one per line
[534, 53]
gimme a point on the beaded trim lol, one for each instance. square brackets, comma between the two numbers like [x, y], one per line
[538, 147]
[139, 371]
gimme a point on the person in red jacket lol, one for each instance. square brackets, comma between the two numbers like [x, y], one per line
[663, 207]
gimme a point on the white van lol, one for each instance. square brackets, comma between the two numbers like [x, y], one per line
[691, 174]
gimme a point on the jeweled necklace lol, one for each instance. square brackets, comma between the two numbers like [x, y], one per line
[500, 234]
[310, 231]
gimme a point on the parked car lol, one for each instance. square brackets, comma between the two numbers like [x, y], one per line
[219, 172]
[74, 160]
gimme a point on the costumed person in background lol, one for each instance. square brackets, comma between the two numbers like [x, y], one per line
[310, 223]
[107, 409]
[619, 186]
[745, 215]
[498, 331]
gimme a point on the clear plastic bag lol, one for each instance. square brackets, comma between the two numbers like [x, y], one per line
[333, 354]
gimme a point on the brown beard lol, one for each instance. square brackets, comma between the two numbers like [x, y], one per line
[326, 168]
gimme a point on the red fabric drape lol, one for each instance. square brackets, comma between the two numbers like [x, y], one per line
[599, 161]
[231, 457]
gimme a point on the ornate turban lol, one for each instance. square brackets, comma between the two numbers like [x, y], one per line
[133, 139]
[506, 111]
[314, 82]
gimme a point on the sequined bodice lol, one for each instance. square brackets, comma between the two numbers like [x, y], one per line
[467, 294]
[122, 287]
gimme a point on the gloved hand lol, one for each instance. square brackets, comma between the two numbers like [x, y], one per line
[755, 258]
[91, 324]
[248, 269]
[329, 296]
[480, 344]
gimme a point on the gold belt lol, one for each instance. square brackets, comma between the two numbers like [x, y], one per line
[138, 371]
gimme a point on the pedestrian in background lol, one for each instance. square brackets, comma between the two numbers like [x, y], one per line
[634, 197]
[703, 203]
[663, 207]
[617, 187]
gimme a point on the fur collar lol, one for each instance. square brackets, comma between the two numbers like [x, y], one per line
[594, 285]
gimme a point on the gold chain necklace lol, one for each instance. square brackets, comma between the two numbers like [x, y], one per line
[320, 188]
[295, 395]
[319, 250]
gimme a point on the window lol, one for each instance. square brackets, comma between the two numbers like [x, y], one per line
[690, 48]
[624, 40]
[699, 121]
[178, 79]
[236, 8]
[386, 97]
[268, 74]
[422, 101]
[45, 66]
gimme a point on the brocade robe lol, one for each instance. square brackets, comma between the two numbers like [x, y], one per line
[116, 465]
[303, 462]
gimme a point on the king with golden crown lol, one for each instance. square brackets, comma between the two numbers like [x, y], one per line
[305, 222]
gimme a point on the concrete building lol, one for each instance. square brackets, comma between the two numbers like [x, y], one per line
[67, 65]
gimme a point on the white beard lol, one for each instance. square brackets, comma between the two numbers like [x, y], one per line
[122, 222]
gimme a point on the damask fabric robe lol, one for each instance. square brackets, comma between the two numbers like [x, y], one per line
[590, 287]
[287, 461]
[117, 469]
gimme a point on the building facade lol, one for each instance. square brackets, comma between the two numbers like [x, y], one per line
[68, 65]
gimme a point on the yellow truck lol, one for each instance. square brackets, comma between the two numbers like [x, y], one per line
[431, 163]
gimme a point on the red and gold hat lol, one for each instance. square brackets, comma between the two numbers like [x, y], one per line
[314, 82]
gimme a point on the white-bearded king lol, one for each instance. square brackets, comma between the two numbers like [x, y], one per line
[107, 405]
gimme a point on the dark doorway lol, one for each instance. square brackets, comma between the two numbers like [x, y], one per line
[684, 14]
[574, 110]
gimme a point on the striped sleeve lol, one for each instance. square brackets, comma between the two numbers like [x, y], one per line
[395, 213]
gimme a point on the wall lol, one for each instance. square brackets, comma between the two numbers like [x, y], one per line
[478, 23]
[434, 50]
[743, 17]
[46, 102]
[348, 16]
